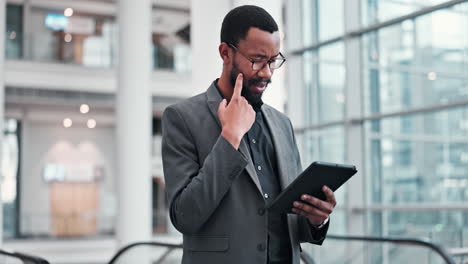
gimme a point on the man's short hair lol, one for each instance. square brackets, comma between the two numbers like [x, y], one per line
[240, 19]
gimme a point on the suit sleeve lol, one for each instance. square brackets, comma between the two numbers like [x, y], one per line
[311, 234]
[195, 190]
[307, 232]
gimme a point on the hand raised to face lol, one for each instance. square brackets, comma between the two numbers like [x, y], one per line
[237, 117]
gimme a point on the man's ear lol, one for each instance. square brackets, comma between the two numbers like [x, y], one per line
[225, 52]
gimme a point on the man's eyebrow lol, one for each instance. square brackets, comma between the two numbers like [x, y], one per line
[263, 56]
[260, 56]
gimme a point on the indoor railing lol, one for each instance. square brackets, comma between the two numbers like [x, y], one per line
[352, 249]
[7, 257]
[355, 249]
[144, 252]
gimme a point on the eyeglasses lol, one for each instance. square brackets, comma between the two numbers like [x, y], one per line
[260, 64]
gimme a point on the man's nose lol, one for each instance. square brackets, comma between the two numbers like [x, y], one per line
[265, 72]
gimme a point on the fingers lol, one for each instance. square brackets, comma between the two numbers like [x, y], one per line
[315, 209]
[308, 211]
[330, 195]
[314, 203]
[222, 106]
[222, 109]
[238, 86]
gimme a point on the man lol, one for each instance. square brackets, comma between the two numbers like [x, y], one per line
[226, 156]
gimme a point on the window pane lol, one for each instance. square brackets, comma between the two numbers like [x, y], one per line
[326, 145]
[381, 10]
[442, 227]
[331, 17]
[322, 20]
[417, 63]
[82, 39]
[419, 158]
[14, 32]
[324, 77]
[91, 39]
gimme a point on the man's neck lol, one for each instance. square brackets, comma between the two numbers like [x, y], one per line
[225, 86]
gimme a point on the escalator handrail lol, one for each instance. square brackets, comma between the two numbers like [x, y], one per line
[24, 257]
[307, 258]
[406, 241]
[304, 256]
[143, 243]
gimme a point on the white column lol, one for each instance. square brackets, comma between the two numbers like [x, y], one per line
[133, 107]
[206, 19]
[354, 132]
[2, 96]
[295, 86]
[294, 66]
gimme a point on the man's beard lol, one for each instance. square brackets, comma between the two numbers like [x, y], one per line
[254, 99]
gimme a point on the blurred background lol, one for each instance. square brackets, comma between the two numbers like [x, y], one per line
[382, 84]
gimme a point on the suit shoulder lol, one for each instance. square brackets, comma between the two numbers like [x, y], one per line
[277, 113]
[188, 105]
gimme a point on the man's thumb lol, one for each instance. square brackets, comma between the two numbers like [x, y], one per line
[222, 106]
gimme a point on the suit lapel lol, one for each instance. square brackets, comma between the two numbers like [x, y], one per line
[244, 149]
[214, 99]
[277, 135]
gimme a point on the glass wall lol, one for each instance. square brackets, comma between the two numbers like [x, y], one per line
[82, 39]
[54, 35]
[407, 109]
[382, 10]
[418, 161]
[419, 62]
[318, 21]
[14, 32]
[323, 77]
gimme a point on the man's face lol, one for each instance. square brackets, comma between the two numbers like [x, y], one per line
[259, 46]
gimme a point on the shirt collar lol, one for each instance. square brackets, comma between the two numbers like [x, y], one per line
[217, 88]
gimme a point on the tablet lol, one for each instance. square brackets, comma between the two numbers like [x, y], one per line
[311, 181]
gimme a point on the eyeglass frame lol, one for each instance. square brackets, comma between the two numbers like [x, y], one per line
[265, 62]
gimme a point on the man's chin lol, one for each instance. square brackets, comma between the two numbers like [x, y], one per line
[254, 99]
[254, 93]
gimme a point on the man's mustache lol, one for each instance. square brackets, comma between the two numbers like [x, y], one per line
[258, 80]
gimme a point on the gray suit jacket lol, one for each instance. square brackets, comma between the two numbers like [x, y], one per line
[214, 193]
